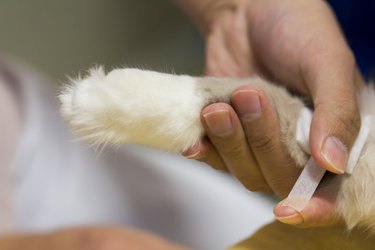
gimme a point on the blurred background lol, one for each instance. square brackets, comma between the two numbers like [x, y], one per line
[64, 37]
[357, 19]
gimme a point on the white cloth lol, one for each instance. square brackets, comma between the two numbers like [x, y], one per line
[59, 183]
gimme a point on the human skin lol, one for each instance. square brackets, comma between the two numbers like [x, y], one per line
[299, 45]
[98, 238]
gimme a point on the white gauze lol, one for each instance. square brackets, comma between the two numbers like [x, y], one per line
[312, 174]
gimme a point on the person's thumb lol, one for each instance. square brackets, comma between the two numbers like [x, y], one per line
[336, 122]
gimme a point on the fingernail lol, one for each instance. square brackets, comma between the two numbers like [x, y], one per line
[193, 153]
[248, 104]
[193, 156]
[335, 154]
[219, 122]
[290, 216]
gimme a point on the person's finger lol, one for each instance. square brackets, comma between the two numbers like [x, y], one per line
[219, 61]
[238, 42]
[228, 47]
[205, 152]
[330, 77]
[261, 126]
[226, 134]
[318, 212]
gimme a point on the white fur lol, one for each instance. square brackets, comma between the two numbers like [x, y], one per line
[356, 199]
[163, 111]
[147, 108]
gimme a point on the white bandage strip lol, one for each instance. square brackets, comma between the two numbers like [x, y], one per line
[312, 174]
[359, 143]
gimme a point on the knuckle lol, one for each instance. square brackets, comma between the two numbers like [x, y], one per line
[348, 122]
[349, 57]
[261, 142]
[343, 115]
[344, 54]
[232, 150]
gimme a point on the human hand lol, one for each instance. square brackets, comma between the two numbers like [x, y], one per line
[298, 44]
[99, 238]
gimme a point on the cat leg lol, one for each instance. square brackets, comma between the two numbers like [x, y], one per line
[161, 110]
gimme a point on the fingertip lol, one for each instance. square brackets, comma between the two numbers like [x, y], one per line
[330, 144]
[335, 126]
[220, 120]
[335, 154]
[199, 151]
[332, 154]
[194, 153]
[247, 103]
[216, 107]
[318, 212]
[249, 89]
[287, 215]
[251, 102]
